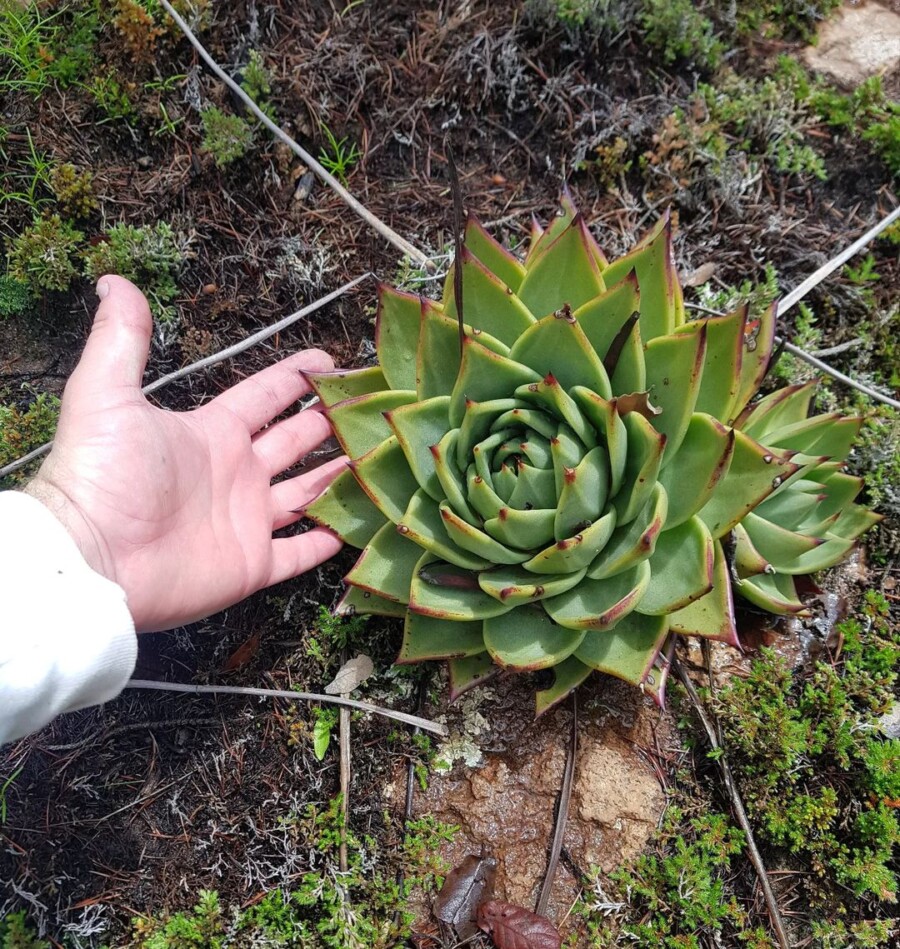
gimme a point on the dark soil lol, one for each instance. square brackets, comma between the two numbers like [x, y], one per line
[133, 807]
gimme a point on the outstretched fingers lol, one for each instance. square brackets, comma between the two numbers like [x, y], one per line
[291, 495]
[285, 443]
[263, 396]
[292, 556]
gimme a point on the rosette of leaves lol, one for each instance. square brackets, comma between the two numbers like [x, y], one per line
[811, 520]
[546, 480]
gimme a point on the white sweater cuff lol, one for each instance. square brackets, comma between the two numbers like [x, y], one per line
[67, 638]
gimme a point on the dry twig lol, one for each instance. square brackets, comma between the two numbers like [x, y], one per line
[414, 720]
[562, 815]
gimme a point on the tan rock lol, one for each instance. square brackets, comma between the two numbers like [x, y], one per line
[858, 42]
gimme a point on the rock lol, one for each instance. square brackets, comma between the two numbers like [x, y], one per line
[507, 805]
[858, 42]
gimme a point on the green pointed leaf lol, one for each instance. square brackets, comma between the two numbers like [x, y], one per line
[583, 496]
[790, 508]
[674, 371]
[780, 547]
[478, 423]
[527, 418]
[417, 427]
[527, 639]
[541, 239]
[451, 478]
[747, 560]
[854, 520]
[681, 568]
[483, 376]
[775, 593]
[782, 407]
[466, 673]
[606, 420]
[720, 382]
[438, 358]
[535, 488]
[524, 530]
[488, 303]
[566, 273]
[660, 305]
[514, 585]
[710, 616]
[360, 425]
[481, 494]
[359, 602]
[557, 346]
[422, 522]
[629, 650]
[642, 463]
[701, 465]
[633, 542]
[566, 451]
[386, 565]
[344, 508]
[397, 336]
[550, 395]
[334, 387]
[495, 257]
[830, 435]
[840, 490]
[759, 338]
[753, 475]
[603, 318]
[577, 552]
[446, 592]
[568, 675]
[383, 473]
[476, 541]
[426, 637]
[600, 604]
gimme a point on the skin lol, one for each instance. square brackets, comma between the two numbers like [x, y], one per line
[178, 508]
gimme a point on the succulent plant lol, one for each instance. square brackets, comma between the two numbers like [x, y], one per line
[555, 483]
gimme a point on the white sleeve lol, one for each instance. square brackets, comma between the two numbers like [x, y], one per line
[66, 637]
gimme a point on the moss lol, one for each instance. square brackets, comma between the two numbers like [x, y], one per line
[15, 297]
[74, 189]
[226, 137]
[150, 256]
[43, 256]
[26, 424]
[15, 933]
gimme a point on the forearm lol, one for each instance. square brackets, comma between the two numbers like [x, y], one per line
[66, 636]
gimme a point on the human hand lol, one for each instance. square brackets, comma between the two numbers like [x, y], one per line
[178, 507]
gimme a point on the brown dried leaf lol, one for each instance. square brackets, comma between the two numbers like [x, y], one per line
[351, 675]
[465, 889]
[243, 654]
[514, 927]
[701, 275]
[637, 402]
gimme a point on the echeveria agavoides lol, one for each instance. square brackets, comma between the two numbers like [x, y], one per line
[560, 493]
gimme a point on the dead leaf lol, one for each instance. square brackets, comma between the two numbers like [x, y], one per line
[637, 402]
[243, 654]
[351, 675]
[699, 276]
[514, 927]
[465, 889]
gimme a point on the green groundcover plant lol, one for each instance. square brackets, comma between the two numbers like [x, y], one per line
[561, 484]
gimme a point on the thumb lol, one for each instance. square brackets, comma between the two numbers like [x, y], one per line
[115, 356]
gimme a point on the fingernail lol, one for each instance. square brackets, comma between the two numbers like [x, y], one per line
[103, 289]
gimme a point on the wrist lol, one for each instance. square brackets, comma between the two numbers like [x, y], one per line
[66, 511]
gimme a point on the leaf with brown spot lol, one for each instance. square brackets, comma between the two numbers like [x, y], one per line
[514, 927]
[243, 654]
[351, 675]
[465, 889]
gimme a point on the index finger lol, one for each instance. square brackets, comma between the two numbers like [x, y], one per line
[261, 397]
